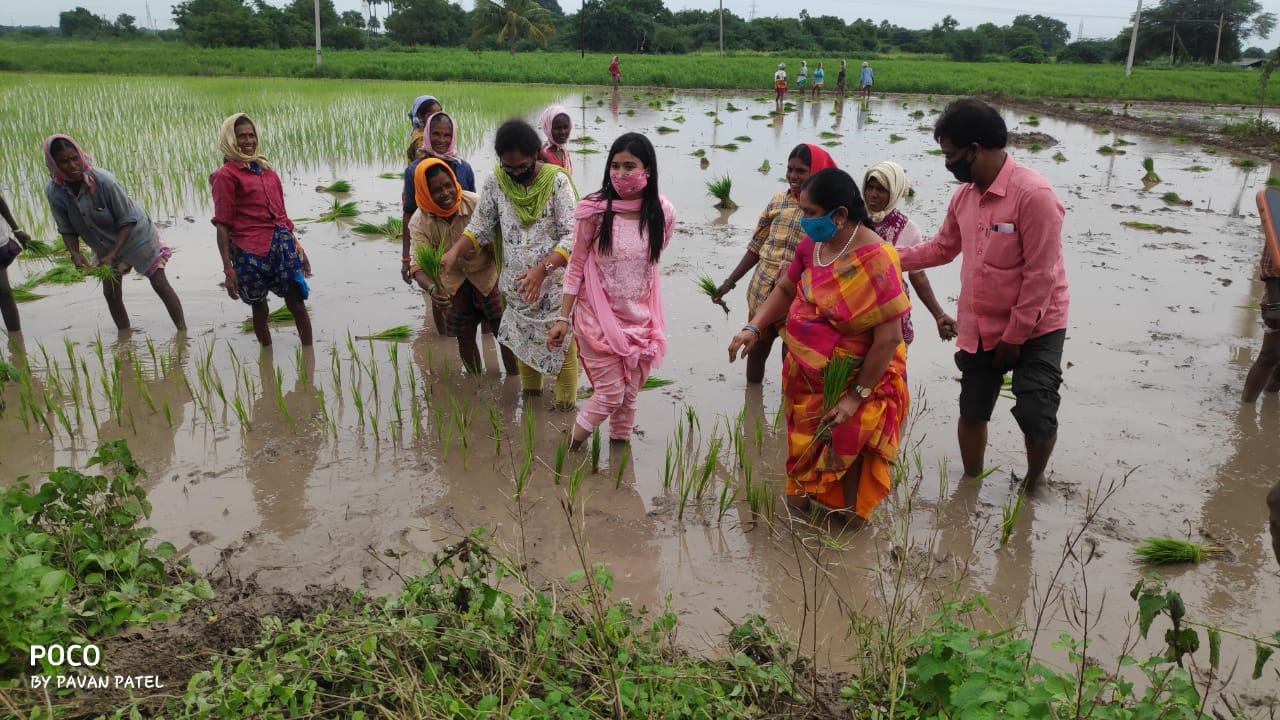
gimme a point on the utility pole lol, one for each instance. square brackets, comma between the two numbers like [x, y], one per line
[317, 34]
[721, 29]
[582, 30]
[1173, 36]
[753, 9]
[1218, 45]
[1133, 40]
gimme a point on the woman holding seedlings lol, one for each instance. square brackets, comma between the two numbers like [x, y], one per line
[843, 377]
[471, 286]
[255, 235]
[771, 248]
[525, 213]
[557, 125]
[884, 186]
[442, 144]
[423, 107]
[9, 249]
[89, 204]
[611, 293]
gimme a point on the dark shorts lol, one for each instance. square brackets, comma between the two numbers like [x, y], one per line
[276, 272]
[468, 308]
[1036, 379]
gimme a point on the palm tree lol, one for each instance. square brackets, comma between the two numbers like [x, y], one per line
[511, 20]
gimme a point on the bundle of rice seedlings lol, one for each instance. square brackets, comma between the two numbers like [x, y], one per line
[103, 274]
[727, 146]
[64, 272]
[720, 189]
[340, 210]
[708, 287]
[399, 332]
[281, 314]
[1151, 178]
[430, 259]
[339, 186]
[1167, 551]
[649, 384]
[391, 176]
[764, 167]
[391, 229]
[21, 294]
[37, 248]
[836, 377]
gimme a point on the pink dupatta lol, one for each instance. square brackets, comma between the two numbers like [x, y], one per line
[589, 215]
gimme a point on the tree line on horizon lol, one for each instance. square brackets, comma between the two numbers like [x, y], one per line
[1173, 31]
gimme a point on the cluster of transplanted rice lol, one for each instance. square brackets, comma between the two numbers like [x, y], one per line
[159, 136]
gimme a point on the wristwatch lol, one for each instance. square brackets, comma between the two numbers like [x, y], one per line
[549, 268]
[862, 392]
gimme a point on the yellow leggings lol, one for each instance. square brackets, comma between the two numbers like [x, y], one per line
[566, 380]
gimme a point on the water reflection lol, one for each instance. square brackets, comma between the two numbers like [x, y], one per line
[280, 452]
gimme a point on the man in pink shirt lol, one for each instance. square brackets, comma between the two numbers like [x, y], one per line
[1006, 220]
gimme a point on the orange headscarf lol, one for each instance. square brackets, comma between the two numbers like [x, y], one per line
[422, 195]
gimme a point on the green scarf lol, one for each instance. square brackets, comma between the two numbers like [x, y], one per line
[530, 201]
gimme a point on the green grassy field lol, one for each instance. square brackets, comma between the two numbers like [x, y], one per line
[742, 72]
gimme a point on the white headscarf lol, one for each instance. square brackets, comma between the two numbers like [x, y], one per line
[894, 179]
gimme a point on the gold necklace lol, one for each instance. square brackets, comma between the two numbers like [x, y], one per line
[817, 252]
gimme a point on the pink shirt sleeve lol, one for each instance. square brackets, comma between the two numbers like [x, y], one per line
[942, 249]
[1040, 214]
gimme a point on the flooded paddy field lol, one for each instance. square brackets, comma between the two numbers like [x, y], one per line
[356, 460]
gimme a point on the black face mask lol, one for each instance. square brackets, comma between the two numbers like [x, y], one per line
[523, 177]
[962, 169]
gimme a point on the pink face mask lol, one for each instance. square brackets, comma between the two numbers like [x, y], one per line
[631, 184]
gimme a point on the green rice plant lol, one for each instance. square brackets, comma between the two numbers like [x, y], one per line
[1035, 147]
[765, 167]
[357, 398]
[1032, 121]
[399, 332]
[934, 151]
[1149, 165]
[495, 425]
[1209, 149]
[339, 210]
[1168, 551]
[664, 130]
[430, 258]
[1107, 150]
[391, 175]
[242, 414]
[720, 189]
[530, 437]
[668, 469]
[832, 143]
[743, 138]
[36, 249]
[63, 272]
[728, 496]
[827, 135]
[1152, 227]
[836, 377]
[396, 407]
[708, 287]
[1121, 142]
[281, 314]
[338, 186]
[894, 137]
[1172, 198]
[562, 452]
[703, 479]
[726, 146]
[710, 113]
[1245, 163]
[1273, 182]
[595, 451]
[619, 471]
[652, 382]
[1010, 512]
[700, 152]
[1059, 157]
[730, 107]
[759, 117]
[102, 274]
[391, 229]
[22, 295]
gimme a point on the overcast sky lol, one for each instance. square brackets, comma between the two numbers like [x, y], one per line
[1099, 18]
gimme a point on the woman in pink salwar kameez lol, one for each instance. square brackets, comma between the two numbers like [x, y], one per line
[611, 292]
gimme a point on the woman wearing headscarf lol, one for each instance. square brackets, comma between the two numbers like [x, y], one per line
[471, 285]
[557, 125]
[88, 204]
[884, 187]
[423, 107]
[772, 246]
[615, 72]
[10, 247]
[525, 212]
[255, 235]
[441, 143]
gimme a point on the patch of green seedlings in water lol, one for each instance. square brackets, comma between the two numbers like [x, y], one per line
[827, 134]
[664, 130]
[280, 315]
[1273, 182]
[678, 119]
[583, 140]
[935, 151]
[340, 211]
[726, 146]
[1153, 227]
[1244, 163]
[720, 189]
[917, 114]
[391, 176]
[650, 383]
[700, 152]
[832, 143]
[1121, 142]
[1108, 150]
[1199, 168]
[1168, 551]
[764, 167]
[743, 138]
[759, 117]
[391, 229]
[338, 187]
[1032, 121]
[399, 332]
[1149, 165]
[894, 137]
[1035, 147]
[587, 151]
[1209, 150]
[730, 107]
[1010, 512]
[1102, 131]
[1172, 198]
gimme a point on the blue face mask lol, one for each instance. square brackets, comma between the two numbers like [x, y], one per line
[819, 229]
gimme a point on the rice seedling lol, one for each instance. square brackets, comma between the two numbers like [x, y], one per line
[1121, 142]
[326, 421]
[1168, 551]
[358, 399]
[668, 469]
[23, 295]
[530, 437]
[664, 130]
[728, 496]
[720, 189]
[759, 117]
[1010, 512]
[1152, 227]
[765, 167]
[703, 479]
[399, 332]
[831, 143]
[242, 414]
[650, 383]
[587, 139]
[730, 107]
[595, 451]
[1059, 157]
[1245, 163]
[1209, 149]
[623, 462]
[828, 135]
[1102, 131]
[726, 146]
[338, 186]
[700, 152]
[708, 287]
[281, 314]
[1032, 121]
[430, 259]
[1035, 147]
[391, 175]
[1172, 198]
[340, 210]
[1108, 150]
[894, 138]
[391, 229]
[63, 272]
[743, 139]
[36, 249]
[1150, 178]
[710, 113]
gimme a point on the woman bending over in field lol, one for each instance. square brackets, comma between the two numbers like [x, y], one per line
[89, 204]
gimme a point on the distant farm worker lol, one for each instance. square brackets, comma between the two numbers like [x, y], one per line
[1265, 372]
[772, 246]
[470, 288]
[10, 247]
[526, 210]
[89, 204]
[615, 72]
[884, 186]
[259, 253]
[843, 300]
[841, 78]
[802, 77]
[1273, 502]
[818, 77]
[424, 106]
[612, 298]
[441, 144]
[1007, 222]
[557, 125]
[866, 80]
[780, 82]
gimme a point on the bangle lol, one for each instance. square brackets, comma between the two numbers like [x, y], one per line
[752, 328]
[229, 271]
[406, 259]
[564, 320]
[729, 284]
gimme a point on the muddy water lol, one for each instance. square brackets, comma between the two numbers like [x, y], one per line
[1156, 353]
